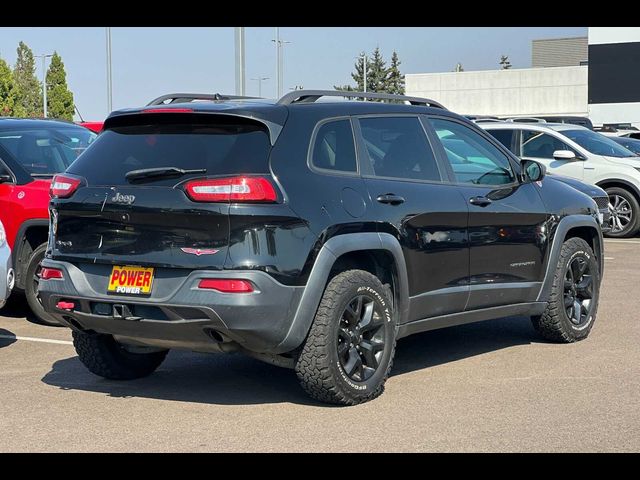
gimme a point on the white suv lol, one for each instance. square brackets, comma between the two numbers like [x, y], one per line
[578, 152]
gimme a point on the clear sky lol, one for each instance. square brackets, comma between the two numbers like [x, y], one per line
[148, 62]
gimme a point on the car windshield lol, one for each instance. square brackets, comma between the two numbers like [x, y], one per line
[46, 150]
[597, 144]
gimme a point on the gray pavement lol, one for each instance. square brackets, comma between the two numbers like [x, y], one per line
[492, 386]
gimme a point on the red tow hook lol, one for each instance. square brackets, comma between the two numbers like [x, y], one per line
[66, 305]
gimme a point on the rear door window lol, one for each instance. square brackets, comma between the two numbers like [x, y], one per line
[334, 148]
[505, 137]
[398, 148]
[226, 147]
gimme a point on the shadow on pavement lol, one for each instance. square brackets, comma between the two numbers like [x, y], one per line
[5, 342]
[234, 379]
[17, 307]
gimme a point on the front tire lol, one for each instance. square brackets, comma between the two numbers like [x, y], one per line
[32, 278]
[105, 357]
[349, 351]
[573, 303]
[625, 212]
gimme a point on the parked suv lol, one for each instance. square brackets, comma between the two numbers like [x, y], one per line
[311, 235]
[7, 277]
[31, 153]
[578, 152]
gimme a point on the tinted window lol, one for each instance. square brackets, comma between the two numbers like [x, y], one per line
[541, 145]
[505, 137]
[473, 158]
[46, 151]
[630, 143]
[334, 148]
[225, 148]
[398, 148]
[597, 143]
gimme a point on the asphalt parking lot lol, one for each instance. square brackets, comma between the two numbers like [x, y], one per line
[492, 386]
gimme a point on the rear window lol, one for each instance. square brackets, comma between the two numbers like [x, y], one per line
[45, 151]
[225, 148]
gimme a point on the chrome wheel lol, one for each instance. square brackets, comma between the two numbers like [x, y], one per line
[578, 290]
[361, 339]
[621, 213]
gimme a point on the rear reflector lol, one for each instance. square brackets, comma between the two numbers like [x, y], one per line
[168, 110]
[63, 186]
[66, 305]
[226, 286]
[51, 274]
[233, 189]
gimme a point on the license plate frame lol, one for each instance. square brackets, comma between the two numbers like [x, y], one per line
[138, 280]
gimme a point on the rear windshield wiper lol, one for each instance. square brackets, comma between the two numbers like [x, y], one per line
[161, 172]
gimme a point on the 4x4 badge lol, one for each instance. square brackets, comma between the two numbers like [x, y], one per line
[199, 251]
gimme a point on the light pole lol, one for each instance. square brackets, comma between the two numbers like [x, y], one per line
[44, 82]
[109, 78]
[279, 62]
[239, 47]
[260, 79]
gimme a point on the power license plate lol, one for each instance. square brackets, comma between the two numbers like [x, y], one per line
[130, 280]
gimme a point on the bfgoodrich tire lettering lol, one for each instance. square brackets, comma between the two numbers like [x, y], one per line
[573, 303]
[348, 353]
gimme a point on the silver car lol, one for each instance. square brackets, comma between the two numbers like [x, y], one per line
[7, 277]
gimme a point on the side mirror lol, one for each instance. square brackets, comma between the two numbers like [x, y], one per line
[533, 171]
[564, 155]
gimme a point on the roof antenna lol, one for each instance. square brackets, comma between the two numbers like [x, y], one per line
[81, 119]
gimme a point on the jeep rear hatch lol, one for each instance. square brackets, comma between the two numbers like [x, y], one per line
[155, 190]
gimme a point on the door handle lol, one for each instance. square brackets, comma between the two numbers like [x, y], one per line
[390, 198]
[480, 201]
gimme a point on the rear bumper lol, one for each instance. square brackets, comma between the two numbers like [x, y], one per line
[178, 314]
[6, 274]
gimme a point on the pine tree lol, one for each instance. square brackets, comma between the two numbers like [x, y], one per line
[29, 90]
[8, 91]
[59, 98]
[395, 79]
[377, 73]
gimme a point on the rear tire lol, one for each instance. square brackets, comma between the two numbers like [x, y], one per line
[349, 351]
[625, 206]
[105, 357]
[40, 316]
[573, 303]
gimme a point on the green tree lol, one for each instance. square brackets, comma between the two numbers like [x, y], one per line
[59, 98]
[377, 73]
[358, 76]
[8, 91]
[395, 79]
[29, 90]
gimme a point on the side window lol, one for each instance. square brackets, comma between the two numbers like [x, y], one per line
[504, 136]
[398, 148]
[333, 148]
[473, 158]
[541, 145]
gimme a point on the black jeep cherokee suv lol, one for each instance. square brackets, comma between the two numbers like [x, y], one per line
[309, 234]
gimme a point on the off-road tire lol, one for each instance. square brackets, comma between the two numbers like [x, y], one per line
[318, 367]
[40, 316]
[554, 324]
[105, 357]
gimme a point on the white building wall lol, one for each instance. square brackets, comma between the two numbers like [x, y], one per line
[517, 92]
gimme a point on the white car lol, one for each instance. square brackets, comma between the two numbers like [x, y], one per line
[7, 278]
[578, 152]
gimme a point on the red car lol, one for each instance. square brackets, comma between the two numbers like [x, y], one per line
[93, 126]
[31, 152]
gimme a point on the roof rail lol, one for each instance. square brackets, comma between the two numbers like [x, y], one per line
[190, 97]
[487, 120]
[310, 96]
[525, 120]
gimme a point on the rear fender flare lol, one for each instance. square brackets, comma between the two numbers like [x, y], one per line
[329, 253]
